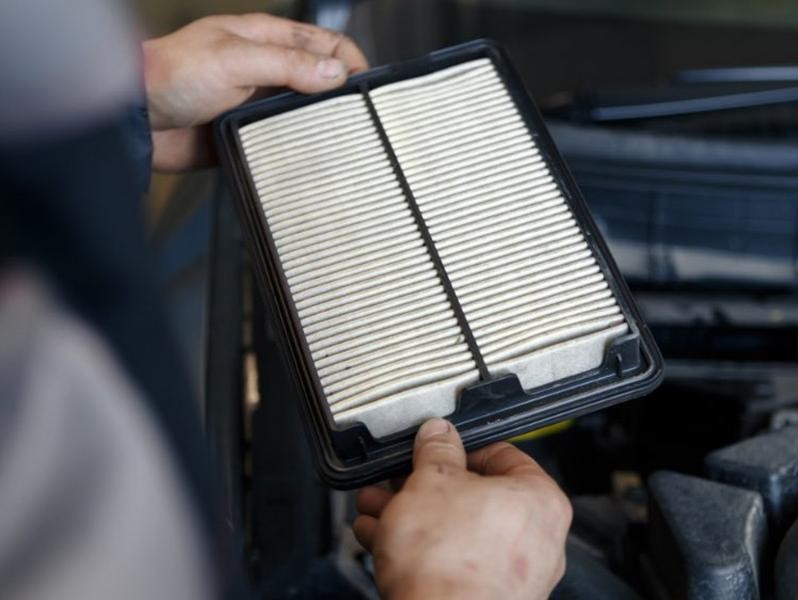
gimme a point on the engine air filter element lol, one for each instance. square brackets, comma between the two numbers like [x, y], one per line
[427, 254]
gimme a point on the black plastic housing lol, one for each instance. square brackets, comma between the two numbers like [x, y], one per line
[490, 410]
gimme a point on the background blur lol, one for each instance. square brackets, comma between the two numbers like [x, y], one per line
[559, 45]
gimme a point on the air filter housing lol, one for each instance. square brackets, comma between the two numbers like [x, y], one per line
[427, 254]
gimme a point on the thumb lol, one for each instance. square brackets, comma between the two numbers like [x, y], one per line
[438, 445]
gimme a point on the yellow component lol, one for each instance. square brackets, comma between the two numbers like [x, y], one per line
[543, 431]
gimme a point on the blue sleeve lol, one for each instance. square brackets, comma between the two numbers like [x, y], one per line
[139, 142]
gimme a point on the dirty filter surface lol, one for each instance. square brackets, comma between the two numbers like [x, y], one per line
[382, 332]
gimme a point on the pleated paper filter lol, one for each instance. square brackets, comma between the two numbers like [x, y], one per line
[428, 255]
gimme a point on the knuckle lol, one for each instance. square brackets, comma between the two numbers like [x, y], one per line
[434, 469]
[559, 507]
[257, 16]
[228, 41]
[211, 22]
[437, 445]
[341, 39]
[564, 511]
[303, 35]
[296, 60]
[567, 510]
[211, 19]
[432, 474]
[331, 38]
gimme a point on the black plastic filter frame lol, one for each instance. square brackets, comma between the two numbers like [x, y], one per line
[494, 408]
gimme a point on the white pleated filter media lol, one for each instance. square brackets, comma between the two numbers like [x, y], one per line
[382, 334]
[530, 288]
[386, 345]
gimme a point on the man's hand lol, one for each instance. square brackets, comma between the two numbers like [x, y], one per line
[489, 525]
[216, 63]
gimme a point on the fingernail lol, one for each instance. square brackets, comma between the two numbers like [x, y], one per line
[432, 428]
[330, 68]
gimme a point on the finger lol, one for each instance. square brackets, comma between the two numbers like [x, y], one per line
[503, 459]
[349, 52]
[438, 445]
[372, 500]
[268, 29]
[261, 65]
[365, 528]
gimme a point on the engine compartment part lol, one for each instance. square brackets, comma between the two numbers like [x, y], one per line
[767, 464]
[787, 566]
[708, 213]
[706, 538]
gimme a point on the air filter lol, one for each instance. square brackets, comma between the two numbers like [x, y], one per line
[427, 254]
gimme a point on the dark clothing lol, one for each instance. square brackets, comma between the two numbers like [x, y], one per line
[139, 142]
[72, 208]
